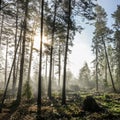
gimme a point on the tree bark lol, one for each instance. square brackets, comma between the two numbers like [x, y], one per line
[30, 59]
[4, 95]
[109, 66]
[59, 67]
[51, 53]
[6, 63]
[96, 69]
[53, 70]
[38, 117]
[65, 58]
[0, 5]
[23, 54]
[106, 68]
[46, 71]
[18, 61]
[14, 69]
[1, 30]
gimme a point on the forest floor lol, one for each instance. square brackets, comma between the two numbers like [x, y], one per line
[53, 110]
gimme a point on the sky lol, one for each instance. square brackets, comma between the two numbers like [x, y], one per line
[82, 50]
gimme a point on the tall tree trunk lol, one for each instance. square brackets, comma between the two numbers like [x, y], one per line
[14, 70]
[59, 66]
[31, 53]
[53, 70]
[40, 65]
[109, 66]
[23, 53]
[46, 71]
[1, 31]
[118, 68]
[65, 58]
[96, 69]
[106, 68]
[4, 95]
[0, 4]
[51, 53]
[18, 62]
[30, 59]
[6, 59]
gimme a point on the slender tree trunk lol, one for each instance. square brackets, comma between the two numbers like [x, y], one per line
[65, 58]
[59, 67]
[0, 4]
[31, 53]
[105, 82]
[46, 71]
[1, 31]
[23, 54]
[14, 70]
[119, 65]
[53, 68]
[4, 95]
[38, 117]
[118, 72]
[109, 66]
[30, 59]
[118, 68]
[96, 69]
[51, 53]
[18, 62]
[6, 62]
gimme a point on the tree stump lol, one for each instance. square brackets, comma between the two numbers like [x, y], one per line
[90, 105]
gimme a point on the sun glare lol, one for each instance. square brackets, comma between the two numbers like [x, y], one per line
[37, 41]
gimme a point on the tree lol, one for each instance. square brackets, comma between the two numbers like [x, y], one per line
[101, 35]
[84, 8]
[66, 50]
[1, 31]
[69, 79]
[40, 65]
[51, 50]
[59, 65]
[31, 51]
[15, 42]
[6, 88]
[116, 16]
[23, 53]
[84, 76]
[6, 62]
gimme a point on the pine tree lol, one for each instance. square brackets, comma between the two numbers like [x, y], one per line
[23, 54]
[40, 64]
[101, 36]
[116, 16]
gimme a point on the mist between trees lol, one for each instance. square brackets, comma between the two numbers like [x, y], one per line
[28, 72]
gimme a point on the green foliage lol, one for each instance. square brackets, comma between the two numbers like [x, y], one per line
[27, 90]
[110, 102]
[116, 25]
[101, 41]
[84, 75]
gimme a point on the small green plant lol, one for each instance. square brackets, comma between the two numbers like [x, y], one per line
[27, 92]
